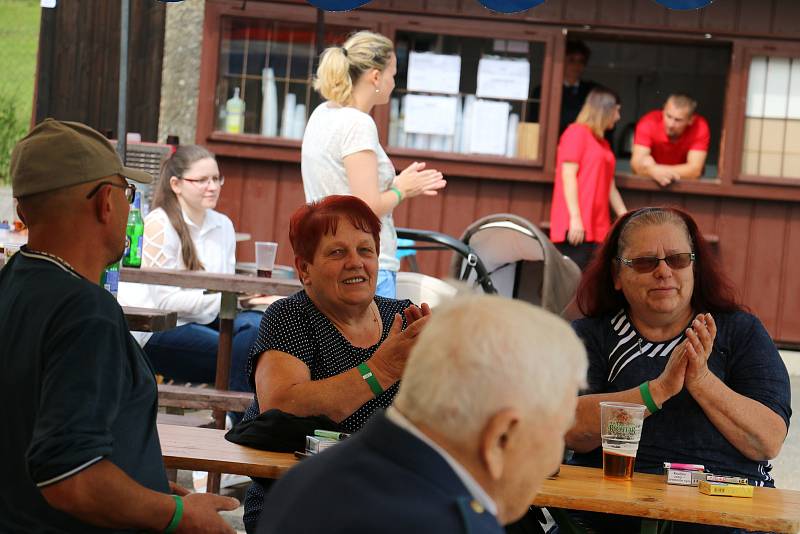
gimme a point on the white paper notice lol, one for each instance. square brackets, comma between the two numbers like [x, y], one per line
[489, 127]
[433, 73]
[503, 78]
[430, 114]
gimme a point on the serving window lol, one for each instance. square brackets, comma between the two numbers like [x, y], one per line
[466, 95]
[644, 73]
[265, 74]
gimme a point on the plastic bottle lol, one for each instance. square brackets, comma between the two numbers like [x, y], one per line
[234, 113]
[135, 233]
[110, 278]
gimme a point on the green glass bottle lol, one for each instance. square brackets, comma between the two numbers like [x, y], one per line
[135, 235]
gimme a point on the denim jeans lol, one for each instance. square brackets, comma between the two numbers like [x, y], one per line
[188, 353]
[387, 284]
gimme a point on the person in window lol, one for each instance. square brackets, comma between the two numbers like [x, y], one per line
[584, 185]
[672, 143]
[334, 348]
[341, 152]
[663, 328]
[575, 90]
[184, 232]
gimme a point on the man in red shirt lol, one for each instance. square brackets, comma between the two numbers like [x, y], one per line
[672, 143]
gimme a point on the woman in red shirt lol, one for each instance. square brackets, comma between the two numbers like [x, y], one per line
[584, 187]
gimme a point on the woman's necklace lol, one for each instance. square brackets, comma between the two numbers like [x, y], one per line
[373, 307]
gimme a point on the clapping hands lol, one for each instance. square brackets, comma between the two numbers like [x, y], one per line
[389, 360]
[417, 180]
[688, 364]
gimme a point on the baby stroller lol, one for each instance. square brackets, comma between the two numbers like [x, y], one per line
[508, 255]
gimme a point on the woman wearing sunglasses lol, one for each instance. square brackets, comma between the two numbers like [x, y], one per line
[663, 328]
[184, 232]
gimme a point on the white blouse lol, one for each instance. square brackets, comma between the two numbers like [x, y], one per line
[332, 133]
[215, 243]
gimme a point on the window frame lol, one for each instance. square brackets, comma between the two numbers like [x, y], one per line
[458, 28]
[737, 115]
[276, 148]
[250, 144]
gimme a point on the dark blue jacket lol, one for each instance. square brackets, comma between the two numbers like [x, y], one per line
[383, 479]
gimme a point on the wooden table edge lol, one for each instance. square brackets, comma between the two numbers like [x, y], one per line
[651, 507]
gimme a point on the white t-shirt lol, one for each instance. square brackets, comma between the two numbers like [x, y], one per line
[215, 243]
[332, 133]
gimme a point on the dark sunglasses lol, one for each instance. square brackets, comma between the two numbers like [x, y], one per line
[648, 264]
[130, 190]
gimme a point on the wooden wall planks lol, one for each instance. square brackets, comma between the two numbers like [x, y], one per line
[759, 240]
[79, 81]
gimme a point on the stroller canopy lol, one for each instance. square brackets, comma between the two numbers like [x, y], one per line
[521, 260]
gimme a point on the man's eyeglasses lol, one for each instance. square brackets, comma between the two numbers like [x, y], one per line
[206, 180]
[130, 190]
[648, 264]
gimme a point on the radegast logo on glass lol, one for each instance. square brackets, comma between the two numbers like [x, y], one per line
[501, 6]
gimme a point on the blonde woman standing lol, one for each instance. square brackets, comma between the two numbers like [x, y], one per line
[584, 185]
[341, 152]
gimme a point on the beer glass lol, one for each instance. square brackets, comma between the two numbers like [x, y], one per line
[265, 258]
[620, 430]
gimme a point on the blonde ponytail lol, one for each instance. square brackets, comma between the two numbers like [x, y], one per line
[340, 67]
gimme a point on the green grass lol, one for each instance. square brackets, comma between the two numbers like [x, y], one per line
[19, 39]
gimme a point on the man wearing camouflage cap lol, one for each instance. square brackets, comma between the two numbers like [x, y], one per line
[80, 447]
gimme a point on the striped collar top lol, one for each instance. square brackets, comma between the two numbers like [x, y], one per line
[630, 345]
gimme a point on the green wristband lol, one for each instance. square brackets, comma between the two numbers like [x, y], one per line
[369, 377]
[644, 389]
[176, 516]
[397, 192]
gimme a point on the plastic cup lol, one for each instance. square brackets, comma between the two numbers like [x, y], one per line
[9, 249]
[265, 258]
[620, 430]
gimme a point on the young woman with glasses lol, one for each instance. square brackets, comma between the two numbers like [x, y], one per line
[663, 328]
[184, 232]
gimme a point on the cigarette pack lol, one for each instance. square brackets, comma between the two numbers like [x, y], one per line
[726, 479]
[685, 478]
[316, 444]
[728, 490]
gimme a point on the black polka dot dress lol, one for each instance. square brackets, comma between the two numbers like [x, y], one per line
[295, 326]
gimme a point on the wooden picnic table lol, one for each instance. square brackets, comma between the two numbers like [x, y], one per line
[206, 449]
[577, 488]
[230, 285]
[149, 319]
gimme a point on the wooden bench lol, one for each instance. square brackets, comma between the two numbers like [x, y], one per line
[195, 421]
[149, 320]
[201, 398]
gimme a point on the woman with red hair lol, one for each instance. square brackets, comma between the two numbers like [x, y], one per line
[334, 348]
[663, 328]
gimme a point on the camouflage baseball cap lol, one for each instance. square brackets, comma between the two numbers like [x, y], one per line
[58, 154]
